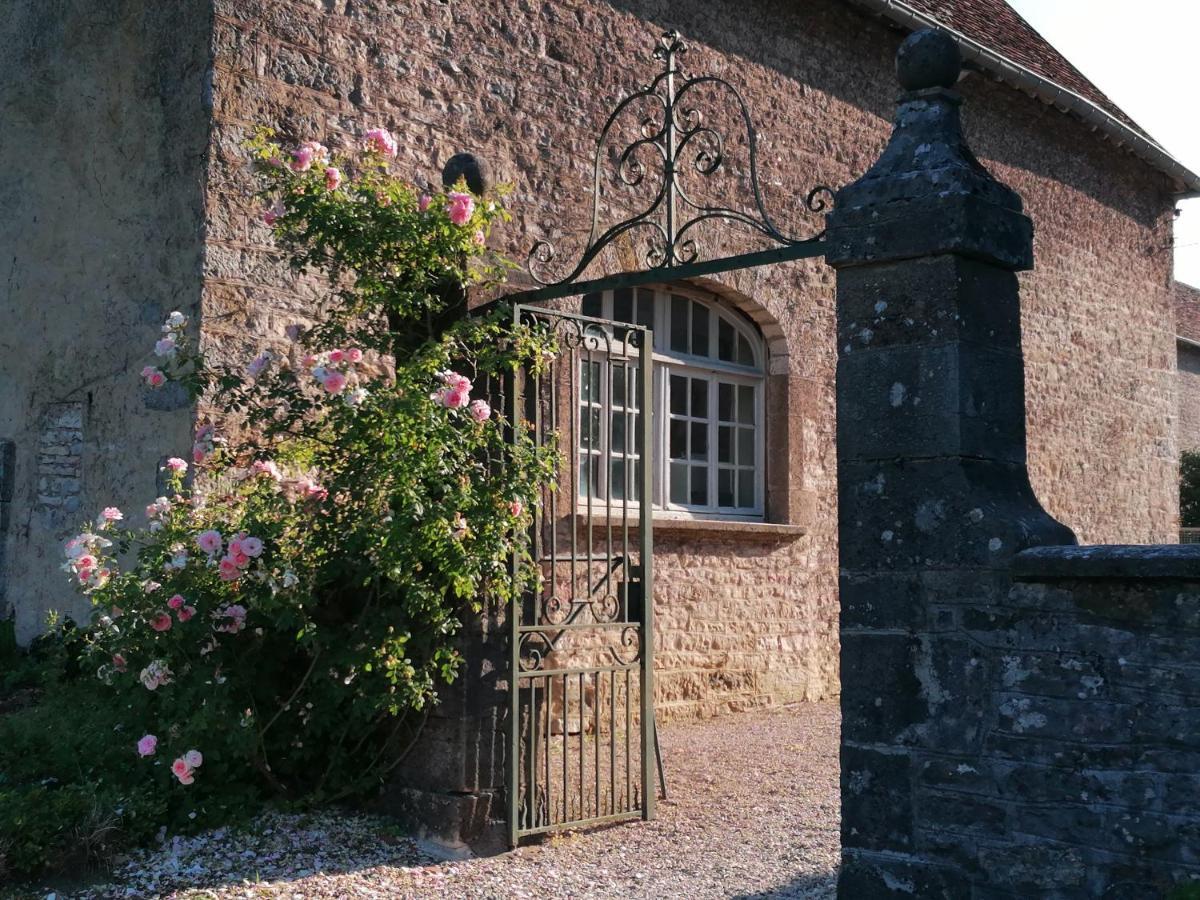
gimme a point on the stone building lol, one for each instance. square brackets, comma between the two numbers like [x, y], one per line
[1187, 346]
[128, 196]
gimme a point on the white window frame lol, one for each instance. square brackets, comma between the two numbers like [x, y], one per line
[712, 369]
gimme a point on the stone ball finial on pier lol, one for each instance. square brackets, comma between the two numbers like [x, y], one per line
[928, 59]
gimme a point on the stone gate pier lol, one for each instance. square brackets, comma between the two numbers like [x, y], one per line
[1021, 716]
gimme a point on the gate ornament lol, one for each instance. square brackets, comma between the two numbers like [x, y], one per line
[676, 137]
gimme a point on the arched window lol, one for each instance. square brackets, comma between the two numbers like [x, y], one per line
[708, 400]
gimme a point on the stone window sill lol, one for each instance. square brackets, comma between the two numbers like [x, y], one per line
[730, 528]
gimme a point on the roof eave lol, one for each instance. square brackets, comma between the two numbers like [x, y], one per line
[1187, 182]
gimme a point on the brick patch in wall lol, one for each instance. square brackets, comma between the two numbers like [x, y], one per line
[60, 460]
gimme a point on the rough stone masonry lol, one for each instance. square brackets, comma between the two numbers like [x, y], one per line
[998, 740]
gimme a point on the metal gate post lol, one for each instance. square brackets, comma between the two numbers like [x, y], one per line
[514, 635]
[645, 509]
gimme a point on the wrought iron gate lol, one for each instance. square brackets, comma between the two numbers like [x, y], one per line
[581, 688]
[581, 727]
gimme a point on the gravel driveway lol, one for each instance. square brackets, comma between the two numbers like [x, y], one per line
[753, 813]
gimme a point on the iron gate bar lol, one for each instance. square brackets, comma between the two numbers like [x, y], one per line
[809, 249]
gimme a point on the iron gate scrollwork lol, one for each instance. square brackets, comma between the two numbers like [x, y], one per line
[581, 720]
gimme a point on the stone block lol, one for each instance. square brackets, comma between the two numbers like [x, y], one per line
[882, 702]
[877, 799]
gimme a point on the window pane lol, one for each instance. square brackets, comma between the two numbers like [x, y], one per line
[593, 305]
[645, 307]
[725, 340]
[700, 440]
[679, 323]
[699, 486]
[678, 391]
[616, 437]
[745, 354]
[635, 489]
[745, 482]
[725, 402]
[725, 487]
[700, 315]
[745, 404]
[679, 475]
[699, 398]
[678, 448]
[745, 451]
[636, 395]
[616, 478]
[623, 305]
[590, 382]
[618, 385]
[725, 444]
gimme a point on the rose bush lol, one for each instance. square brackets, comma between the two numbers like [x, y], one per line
[278, 622]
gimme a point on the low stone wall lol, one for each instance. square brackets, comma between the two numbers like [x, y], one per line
[1082, 690]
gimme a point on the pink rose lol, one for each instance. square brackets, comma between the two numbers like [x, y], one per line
[480, 411]
[460, 206]
[454, 399]
[313, 491]
[176, 602]
[302, 158]
[194, 759]
[111, 514]
[181, 770]
[267, 467]
[336, 356]
[119, 662]
[209, 541]
[515, 508]
[252, 546]
[152, 376]
[228, 569]
[354, 355]
[198, 455]
[186, 613]
[332, 178]
[165, 347]
[276, 212]
[147, 745]
[87, 561]
[334, 382]
[480, 239]
[177, 465]
[258, 364]
[423, 202]
[161, 622]
[380, 140]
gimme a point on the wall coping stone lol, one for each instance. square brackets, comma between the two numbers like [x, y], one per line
[1180, 562]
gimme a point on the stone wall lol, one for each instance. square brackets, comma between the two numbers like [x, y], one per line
[105, 111]
[1187, 329]
[746, 617]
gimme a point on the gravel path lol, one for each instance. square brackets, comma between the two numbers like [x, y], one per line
[753, 814]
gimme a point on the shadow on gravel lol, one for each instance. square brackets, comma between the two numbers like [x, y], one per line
[807, 887]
